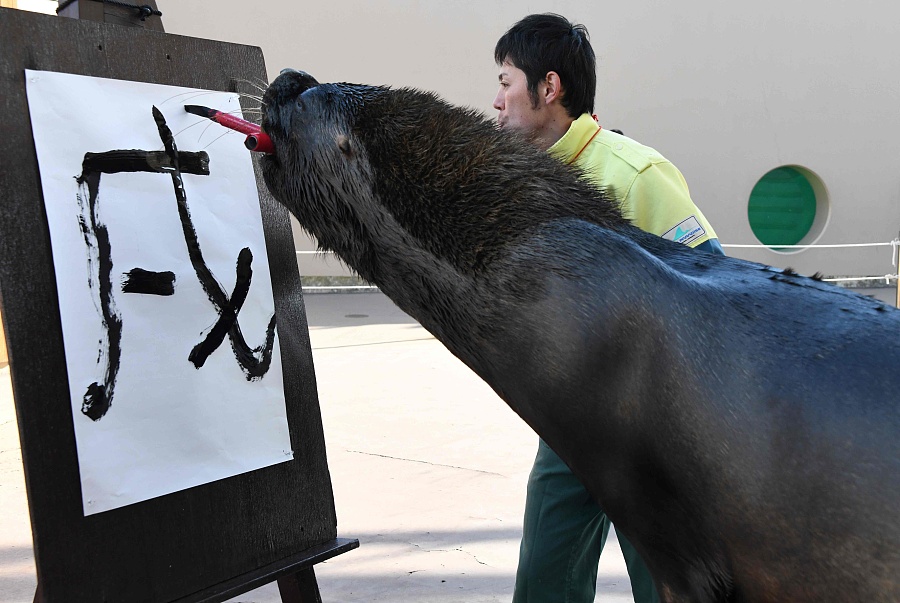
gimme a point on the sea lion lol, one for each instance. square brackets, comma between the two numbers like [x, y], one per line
[737, 422]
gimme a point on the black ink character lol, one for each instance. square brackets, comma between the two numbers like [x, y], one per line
[254, 362]
[147, 282]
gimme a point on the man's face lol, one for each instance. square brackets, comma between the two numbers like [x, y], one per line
[517, 111]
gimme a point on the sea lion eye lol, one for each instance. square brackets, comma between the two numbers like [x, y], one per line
[344, 144]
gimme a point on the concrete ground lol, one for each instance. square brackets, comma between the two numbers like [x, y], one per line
[428, 466]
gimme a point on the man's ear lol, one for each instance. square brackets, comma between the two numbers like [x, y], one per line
[553, 88]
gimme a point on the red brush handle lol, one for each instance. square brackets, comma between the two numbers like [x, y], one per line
[256, 140]
[235, 123]
[260, 143]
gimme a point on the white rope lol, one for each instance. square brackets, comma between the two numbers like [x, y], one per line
[895, 257]
[893, 244]
[341, 287]
[886, 278]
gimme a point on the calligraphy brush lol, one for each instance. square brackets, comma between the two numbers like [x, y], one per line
[256, 140]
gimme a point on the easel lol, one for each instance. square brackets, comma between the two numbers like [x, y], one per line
[205, 544]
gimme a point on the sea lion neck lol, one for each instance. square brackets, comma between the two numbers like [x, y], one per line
[464, 190]
[405, 188]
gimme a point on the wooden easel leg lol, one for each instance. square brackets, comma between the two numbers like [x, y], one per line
[300, 587]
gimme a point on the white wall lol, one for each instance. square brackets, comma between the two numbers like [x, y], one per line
[48, 7]
[727, 91]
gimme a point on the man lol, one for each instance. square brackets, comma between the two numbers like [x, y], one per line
[547, 86]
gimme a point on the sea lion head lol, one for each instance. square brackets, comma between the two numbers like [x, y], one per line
[358, 164]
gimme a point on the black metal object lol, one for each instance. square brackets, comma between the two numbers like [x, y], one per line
[143, 10]
[145, 15]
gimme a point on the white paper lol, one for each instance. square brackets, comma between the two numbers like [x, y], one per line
[170, 425]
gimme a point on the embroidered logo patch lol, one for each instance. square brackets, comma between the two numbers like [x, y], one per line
[688, 230]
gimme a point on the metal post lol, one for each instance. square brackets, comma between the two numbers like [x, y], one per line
[897, 270]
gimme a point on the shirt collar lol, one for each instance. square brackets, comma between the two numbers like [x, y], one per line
[573, 142]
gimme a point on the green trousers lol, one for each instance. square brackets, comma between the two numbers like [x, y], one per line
[563, 535]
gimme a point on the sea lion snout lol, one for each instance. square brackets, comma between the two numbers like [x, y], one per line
[279, 99]
[293, 81]
[319, 169]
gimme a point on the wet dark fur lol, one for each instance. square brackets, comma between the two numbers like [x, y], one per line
[738, 423]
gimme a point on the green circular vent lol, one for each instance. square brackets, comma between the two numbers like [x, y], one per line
[782, 207]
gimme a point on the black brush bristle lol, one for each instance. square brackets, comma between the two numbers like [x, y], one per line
[199, 110]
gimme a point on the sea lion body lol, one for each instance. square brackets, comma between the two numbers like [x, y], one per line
[738, 423]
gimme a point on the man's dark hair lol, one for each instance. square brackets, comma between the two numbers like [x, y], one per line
[539, 44]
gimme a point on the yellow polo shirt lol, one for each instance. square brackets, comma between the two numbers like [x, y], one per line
[653, 193]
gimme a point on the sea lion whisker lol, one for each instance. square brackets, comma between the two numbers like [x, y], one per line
[207, 123]
[244, 112]
[190, 94]
[199, 122]
[261, 85]
[255, 97]
[216, 139]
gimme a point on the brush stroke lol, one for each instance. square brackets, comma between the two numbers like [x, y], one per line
[98, 397]
[228, 313]
[254, 362]
[148, 282]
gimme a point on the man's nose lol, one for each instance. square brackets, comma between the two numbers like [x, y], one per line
[498, 100]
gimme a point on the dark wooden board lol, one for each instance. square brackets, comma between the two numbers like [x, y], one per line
[290, 573]
[184, 543]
